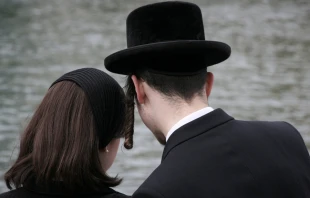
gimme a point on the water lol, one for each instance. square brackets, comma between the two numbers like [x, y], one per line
[266, 78]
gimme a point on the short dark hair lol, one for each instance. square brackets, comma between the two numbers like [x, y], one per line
[184, 87]
[60, 143]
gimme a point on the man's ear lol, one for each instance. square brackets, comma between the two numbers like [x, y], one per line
[139, 89]
[210, 79]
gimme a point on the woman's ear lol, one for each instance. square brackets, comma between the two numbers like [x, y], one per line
[139, 89]
[107, 154]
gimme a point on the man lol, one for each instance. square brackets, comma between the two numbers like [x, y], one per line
[207, 152]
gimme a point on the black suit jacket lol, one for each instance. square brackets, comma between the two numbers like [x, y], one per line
[216, 156]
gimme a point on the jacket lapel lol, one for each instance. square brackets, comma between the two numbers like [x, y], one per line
[195, 128]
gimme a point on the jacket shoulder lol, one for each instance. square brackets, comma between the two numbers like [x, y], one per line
[116, 195]
[280, 128]
[276, 131]
[145, 192]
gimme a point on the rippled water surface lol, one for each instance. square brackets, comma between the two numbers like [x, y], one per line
[266, 78]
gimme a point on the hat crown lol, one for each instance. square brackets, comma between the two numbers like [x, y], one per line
[165, 21]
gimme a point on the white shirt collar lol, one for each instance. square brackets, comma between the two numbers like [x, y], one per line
[187, 119]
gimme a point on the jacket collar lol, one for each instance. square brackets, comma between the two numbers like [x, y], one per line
[195, 128]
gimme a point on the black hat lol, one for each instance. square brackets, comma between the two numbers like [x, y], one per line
[168, 38]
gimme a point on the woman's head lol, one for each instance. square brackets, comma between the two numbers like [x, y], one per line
[74, 134]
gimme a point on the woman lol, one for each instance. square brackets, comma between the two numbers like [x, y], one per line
[72, 139]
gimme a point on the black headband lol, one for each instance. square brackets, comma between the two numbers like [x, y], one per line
[106, 98]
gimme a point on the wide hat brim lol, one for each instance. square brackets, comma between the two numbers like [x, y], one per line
[183, 57]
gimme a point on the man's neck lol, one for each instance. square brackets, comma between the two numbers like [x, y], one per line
[189, 118]
[168, 115]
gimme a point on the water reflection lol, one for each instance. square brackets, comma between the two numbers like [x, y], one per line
[266, 78]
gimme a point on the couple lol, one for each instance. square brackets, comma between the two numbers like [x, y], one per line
[73, 137]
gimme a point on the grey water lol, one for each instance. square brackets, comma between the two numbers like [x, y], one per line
[267, 76]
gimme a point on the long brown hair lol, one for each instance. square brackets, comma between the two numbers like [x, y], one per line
[60, 143]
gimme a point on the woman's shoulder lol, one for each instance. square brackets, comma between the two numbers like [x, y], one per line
[8, 194]
[22, 192]
[16, 193]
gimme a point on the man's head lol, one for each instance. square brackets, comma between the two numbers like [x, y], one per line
[158, 96]
[166, 63]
